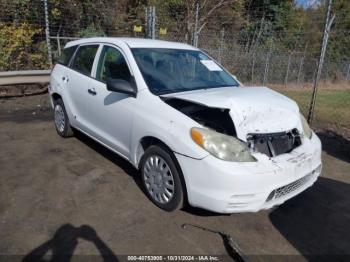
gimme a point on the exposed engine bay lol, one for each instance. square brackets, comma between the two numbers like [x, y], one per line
[219, 119]
[274, 144]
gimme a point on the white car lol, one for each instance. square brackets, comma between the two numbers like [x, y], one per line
[194, 132]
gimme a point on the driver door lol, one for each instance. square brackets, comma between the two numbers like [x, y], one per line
[112, 116]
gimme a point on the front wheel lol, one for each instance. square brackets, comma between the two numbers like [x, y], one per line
[62, 125]
[161, 178]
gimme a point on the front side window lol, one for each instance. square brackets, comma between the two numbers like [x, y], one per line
[67, 55]
[175, 70]
[113, 65]
[84, 59]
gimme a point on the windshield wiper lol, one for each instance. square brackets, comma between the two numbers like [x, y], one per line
[167, 92]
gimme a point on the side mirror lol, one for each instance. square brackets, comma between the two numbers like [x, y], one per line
[121, 86]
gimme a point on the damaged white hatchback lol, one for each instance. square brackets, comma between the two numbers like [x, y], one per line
[194, 132]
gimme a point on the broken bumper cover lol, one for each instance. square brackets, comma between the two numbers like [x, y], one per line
[231, 187]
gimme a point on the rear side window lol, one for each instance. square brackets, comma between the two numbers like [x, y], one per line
[112, 64]
[84, 59]
[67, 55]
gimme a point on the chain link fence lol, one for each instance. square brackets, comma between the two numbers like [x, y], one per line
[291, 73]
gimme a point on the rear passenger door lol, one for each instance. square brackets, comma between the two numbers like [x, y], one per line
[112, 114]
[79, 81]
[58, 79]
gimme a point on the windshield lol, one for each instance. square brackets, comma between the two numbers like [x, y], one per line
[175, 70]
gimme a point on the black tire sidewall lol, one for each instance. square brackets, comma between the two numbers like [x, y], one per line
[178, 199]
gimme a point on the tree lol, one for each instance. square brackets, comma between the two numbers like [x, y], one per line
[199, 14]
[277, 19]
[339, 41]
[18, 49]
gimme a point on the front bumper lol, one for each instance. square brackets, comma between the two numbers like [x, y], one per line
[231, 187]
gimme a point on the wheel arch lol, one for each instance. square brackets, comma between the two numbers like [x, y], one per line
[56, 96]
[148, 141]
[144, 143]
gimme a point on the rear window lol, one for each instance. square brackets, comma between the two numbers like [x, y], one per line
[84, 59]
[67, 55]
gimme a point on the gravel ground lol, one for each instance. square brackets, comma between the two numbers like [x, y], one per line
[72, 196]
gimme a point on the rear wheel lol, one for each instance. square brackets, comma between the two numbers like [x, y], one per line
[62, 125]
[161, 178]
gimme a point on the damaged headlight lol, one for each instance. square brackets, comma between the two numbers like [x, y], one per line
[306, 128]
[222, 146]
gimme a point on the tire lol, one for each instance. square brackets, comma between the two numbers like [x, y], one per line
[164, 187]
[62, 124]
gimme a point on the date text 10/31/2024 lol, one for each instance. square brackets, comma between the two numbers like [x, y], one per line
[174, 258]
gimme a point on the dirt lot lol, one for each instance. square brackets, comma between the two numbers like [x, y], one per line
[50, 187]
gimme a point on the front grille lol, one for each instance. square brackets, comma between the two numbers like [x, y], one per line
[274, 144]
[285, 190]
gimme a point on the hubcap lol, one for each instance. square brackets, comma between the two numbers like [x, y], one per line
[59, 118]
[158, 179]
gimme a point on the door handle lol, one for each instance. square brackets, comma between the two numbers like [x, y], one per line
[92, 91]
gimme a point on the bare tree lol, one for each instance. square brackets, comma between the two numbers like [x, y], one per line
[199, 13]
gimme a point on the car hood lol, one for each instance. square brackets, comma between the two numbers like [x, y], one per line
[252, 109]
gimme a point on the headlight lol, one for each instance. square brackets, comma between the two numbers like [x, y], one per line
[222, 146]
[306, 128]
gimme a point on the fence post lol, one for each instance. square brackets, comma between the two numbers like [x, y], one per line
[329, 21]
[301, 64]
[253, 67]
[266, 71]
[58, 44]
[151, 21]
[348, 73]
[47, 33]
[287, 73]
[222, 36]
[195, 33]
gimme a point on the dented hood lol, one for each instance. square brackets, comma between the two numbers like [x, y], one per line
[253, 109]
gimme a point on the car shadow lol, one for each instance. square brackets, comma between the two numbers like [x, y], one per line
[132, 171]
[317, 221]
[106, 153]
[201, 212]
[335, 144]
[122, 163]
[65, 240]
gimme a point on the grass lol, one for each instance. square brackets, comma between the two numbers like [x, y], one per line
[332, 106]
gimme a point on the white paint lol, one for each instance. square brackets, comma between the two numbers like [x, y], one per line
[253, 109]
[120, 121]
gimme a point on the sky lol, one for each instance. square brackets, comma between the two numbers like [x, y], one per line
[306, 3]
